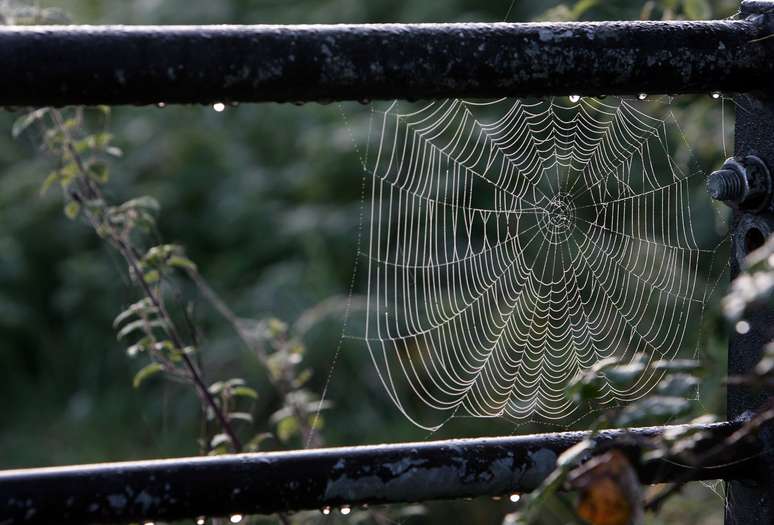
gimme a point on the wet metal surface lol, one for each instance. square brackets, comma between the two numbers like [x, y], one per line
[204, 64]
[313, 479]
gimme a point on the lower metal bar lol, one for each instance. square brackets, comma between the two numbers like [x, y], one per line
[286, 481]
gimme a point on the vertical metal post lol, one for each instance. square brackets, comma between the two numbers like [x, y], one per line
[751, 502]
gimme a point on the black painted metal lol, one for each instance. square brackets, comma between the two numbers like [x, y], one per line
[144, 65]
[751, 502]
[271, 482]
[202, 64]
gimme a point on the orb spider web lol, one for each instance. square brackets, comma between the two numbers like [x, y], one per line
[512, 244]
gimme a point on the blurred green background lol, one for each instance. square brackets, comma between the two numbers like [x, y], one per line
[266, 199]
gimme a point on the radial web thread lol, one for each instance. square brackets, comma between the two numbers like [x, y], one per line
[511, 245]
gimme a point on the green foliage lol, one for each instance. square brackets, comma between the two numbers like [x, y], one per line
[146, 372]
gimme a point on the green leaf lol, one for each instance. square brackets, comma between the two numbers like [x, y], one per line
[145, 372]
[139, 324]
[219, 440]
[254, 445]
[25, 121]
[302, 378]
[676, 365]
[654, 410]
[624, 375]
[152, 276]
[114, 151]
[244, 391]
[143, 306]
[240, 416]
[184, 263]
[139, 347]
[50, 180]
[287, 428]
[72, 209]
[146, 202]
[276, 327]
[221, 450]
[677, 385]
[99, 172]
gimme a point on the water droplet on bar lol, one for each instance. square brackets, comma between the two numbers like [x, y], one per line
[326, 511]
[514, 498]
[235, 518]
[219, 107]
[346, 509]
[201, 520]
[642, 96]
[574, 98]
[742, 327]
[161, 105]
[715, 94]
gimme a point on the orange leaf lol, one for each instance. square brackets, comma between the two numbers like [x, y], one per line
[610, 493]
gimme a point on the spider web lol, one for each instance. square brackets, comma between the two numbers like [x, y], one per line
[511, 245]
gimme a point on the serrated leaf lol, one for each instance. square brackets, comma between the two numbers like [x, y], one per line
[244, 391]
[25, 121]
[241, 416]
[139, 324]
[676, 365]
[677, 385]
[99, 172]
[280, 414]
[215, 388]
[50, 180]
[624, 375]
[146, 202]
[178, 261]
[72, 209]
[219, 440]
[654, 410]
[287, 428]
[114, 151]
[146, 372]
[143, 306]
[135, 349]
[302, 378]
[255, 443]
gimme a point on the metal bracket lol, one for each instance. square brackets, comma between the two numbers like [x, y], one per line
[743, 183]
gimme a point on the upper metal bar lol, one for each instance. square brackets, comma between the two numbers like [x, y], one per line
[297, 480]
[63, 65]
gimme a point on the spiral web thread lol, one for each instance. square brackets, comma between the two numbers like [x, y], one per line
[512, 245]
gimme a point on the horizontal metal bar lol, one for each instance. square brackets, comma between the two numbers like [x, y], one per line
[61, 65]
[311, 479]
